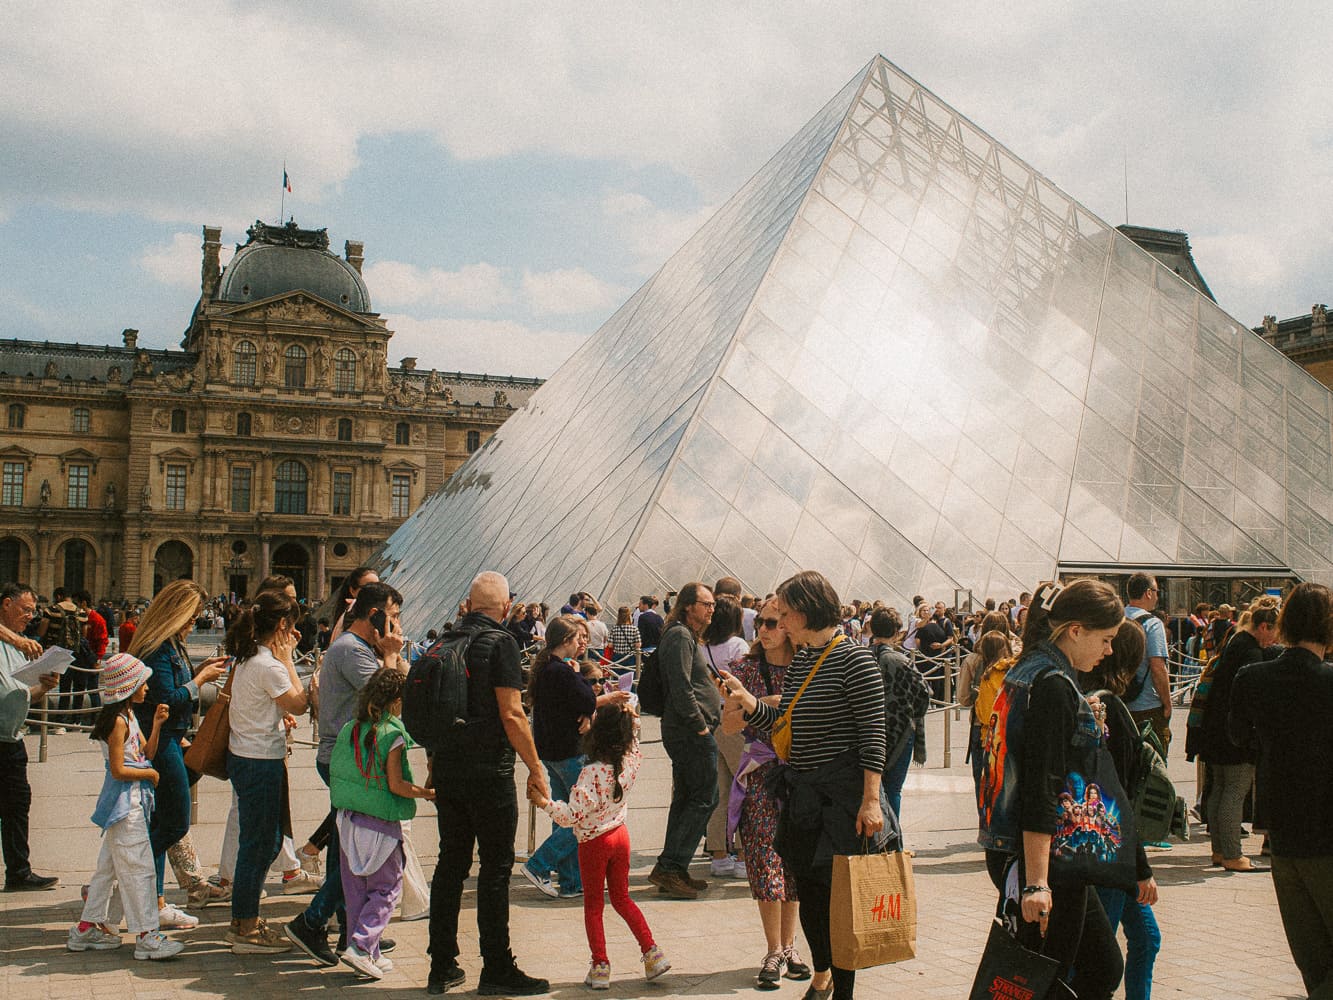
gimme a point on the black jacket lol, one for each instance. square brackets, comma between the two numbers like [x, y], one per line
[1213, 743]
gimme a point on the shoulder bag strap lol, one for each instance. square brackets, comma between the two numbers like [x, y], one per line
[786, 716]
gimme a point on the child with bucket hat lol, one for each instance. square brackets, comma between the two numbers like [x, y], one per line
[122, 811]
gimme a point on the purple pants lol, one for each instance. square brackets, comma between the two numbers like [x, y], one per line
[371, 900]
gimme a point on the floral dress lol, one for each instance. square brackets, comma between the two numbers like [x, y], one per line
[770, 880]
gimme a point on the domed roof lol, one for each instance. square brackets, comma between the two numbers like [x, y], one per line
[280, 259]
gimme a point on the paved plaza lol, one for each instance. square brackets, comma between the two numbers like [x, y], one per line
[1222, 935]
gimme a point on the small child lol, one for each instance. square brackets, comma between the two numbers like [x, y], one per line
[122, 811]
[370, 784]
[596, 810]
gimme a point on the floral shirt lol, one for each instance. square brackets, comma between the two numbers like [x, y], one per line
[592, 809]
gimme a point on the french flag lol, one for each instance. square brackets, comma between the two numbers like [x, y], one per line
[286, 182]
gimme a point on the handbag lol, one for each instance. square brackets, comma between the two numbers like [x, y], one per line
[781, 733]
[1009, 970]
[207, 753]
[872, 910]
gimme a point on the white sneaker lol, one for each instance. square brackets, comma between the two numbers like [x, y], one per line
[738, 869]
[722, 867]
[543, 885]
[156, 946]
[599, 976]
[300, 883]
[311, 863]
[361, 962]
[385, 964]
[654, 963]
[173, 918]
[93, 939]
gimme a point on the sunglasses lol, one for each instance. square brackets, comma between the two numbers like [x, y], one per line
[767, 622]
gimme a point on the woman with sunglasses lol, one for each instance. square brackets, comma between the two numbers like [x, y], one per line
[753, 810]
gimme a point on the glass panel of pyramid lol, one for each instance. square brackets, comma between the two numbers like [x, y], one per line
[901, 356]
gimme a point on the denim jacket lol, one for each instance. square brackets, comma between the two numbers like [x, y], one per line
[172, 684]
[1001, 777]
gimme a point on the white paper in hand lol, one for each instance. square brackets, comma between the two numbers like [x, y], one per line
[54, 661]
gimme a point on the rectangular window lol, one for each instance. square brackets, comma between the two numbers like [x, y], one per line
[77, 496]
[175, 487]
[342, 493]
[400, 500]
[240, 489]
[13, 485]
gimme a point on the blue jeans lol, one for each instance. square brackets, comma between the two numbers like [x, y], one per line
[559, 852]
[1142, 939]
[171, 813]
[693, 797]
[329, 899]
[259, 786]
[894, 776]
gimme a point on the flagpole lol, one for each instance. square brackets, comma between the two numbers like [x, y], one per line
[282, 201]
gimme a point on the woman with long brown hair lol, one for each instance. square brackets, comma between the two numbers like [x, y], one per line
[159, 642]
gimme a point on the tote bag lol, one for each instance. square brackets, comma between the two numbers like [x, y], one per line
[207, 753]
[1009, 970]
[872, 910]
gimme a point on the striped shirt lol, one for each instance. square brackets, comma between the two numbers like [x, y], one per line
[842, 709]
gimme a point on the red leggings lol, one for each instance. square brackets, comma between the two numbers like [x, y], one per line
[605, 860]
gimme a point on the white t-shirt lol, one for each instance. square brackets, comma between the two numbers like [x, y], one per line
[725, 655]
[748, 615]
[256, 719]
[599, 636]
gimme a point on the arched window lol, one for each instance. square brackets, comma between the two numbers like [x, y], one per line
[80, 420]
[294, 370]
[16, 414]
[243, 424]
[76, 565]
[344, 429]
[243, 363]
[402, 434]
[473, 441]
[177, 421]
[290, 488]
[344, 370]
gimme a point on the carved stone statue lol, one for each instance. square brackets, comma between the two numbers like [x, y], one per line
[435, 383]
[110, 502]
[143, 364]
[270, 359]
[45, 493]
[52, 370]
[218, 355]
[146, 497]
[161, 419]
[114, 374]
[322, 365]
[1270, 327]
[447, 395]
[501, 398]
[1318, 319]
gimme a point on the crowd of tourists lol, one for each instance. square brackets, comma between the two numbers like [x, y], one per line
[790, 722]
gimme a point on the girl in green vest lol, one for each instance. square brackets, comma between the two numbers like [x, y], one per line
[370, 784]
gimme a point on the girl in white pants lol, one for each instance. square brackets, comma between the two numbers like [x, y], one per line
[122, 811]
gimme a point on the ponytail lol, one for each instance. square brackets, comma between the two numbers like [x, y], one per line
[259, 620]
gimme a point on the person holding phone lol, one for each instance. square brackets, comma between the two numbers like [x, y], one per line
[371, 638]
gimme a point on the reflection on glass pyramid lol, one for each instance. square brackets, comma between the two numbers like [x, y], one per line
[900, 356]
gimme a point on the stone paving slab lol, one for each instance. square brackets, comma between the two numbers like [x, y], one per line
[1222, 936]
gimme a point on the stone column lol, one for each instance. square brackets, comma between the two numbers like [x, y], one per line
[317, 592]
[263, 557]
[145, 564]
[43, 564]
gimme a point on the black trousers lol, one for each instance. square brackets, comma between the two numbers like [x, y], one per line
[814, 885]
[15, 803]
[480, 812]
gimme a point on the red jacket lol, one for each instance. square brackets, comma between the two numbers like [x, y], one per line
[96, 633]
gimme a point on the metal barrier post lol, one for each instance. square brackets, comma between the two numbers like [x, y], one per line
[45, 729]
[532, 830]
[948, 722]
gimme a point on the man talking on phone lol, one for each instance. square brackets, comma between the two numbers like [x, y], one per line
[371, 638]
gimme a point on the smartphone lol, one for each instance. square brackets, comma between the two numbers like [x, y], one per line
[717, 674]
[379, 621]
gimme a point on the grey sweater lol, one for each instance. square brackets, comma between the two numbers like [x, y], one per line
[692, 699]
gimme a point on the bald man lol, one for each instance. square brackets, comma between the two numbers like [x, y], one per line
[476, 803]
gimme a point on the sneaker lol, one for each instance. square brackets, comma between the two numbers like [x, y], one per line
[173, 918]
[510, 981]
[387, 945]
[654, 963]
[203, 893]
[310, 863]
[1157, 845]
[599, 976]
[263, 940]
[93, 939]
[738, 870]
[570, 893]
[300, 883]
[722, 867]
[361, 962]
[441, 982]
[314, 943]
[156, 946]
[796, 967]
[384, 964]
[542, 885]
[770, 970]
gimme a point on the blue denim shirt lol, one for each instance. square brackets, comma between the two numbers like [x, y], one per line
[115, 800]
[172, 684]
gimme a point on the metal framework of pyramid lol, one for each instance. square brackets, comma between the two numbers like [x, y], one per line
[901, 356]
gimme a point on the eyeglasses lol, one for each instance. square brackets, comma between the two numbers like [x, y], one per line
[767, 622]
[706, 604]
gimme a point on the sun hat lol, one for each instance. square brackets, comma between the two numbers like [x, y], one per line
[122, 674]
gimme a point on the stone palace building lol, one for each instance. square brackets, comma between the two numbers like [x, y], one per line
[278, 440]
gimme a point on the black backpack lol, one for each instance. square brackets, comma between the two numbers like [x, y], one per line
[436, 711]
[651, 688]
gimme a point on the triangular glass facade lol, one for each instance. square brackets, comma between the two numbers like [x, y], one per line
[900, 356]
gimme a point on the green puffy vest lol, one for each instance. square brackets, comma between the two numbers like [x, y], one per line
[358, 780]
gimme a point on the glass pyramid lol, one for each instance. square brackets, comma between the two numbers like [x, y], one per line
[901, 356]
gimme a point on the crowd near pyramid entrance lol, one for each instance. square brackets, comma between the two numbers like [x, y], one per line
[902, 356]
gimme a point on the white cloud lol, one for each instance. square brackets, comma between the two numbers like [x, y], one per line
[570, 292]
[496, 347]
[177, 262]
[652, 233]
[476, 288]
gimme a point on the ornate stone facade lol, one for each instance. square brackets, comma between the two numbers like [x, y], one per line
[1307, 340]
[277, 440]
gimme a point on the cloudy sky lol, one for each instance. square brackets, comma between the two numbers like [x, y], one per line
[516, 170]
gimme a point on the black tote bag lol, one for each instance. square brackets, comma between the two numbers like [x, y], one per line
[1009, 970]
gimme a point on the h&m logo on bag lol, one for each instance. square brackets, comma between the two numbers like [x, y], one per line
[1010, 989]
[887, 908]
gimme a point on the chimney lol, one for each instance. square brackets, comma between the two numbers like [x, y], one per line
[211, 269]
[355, 252]
[131, 339]
[409, 364]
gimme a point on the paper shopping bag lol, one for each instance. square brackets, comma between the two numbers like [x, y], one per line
[872, 910]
